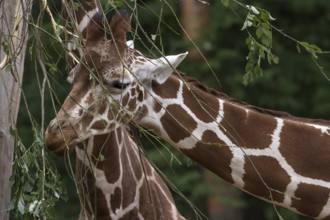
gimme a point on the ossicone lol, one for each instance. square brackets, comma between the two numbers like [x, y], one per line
[120, 25]
[95, 29]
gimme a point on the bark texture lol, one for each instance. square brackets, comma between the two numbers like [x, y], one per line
[13, 36]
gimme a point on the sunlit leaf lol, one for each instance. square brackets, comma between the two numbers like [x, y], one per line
[275, 59]
[225, 2]
[298, 48]
[254, 10]
[21, 206]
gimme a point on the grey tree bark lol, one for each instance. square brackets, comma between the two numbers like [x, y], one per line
[13, 36]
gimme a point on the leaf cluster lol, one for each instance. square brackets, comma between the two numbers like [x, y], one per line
[37, 190]
[260, 44]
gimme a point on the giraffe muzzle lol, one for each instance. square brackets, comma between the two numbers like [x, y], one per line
[60, 136]
[57, 124]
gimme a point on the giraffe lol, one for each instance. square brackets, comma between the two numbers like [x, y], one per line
[115, 179]
[119, 182]
[272, 155]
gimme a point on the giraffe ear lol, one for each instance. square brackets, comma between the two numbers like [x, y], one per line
[164, 67]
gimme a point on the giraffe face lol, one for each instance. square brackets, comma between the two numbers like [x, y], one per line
[109, 86]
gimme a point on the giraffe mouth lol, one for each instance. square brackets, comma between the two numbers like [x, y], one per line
[60, 137]
[61, 142]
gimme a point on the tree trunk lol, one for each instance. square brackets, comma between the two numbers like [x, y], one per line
[13, 31]
[195, 17]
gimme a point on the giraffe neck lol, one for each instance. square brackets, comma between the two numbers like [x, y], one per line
[115, 180]
[118, 182]
[80, 16]
[274, 156]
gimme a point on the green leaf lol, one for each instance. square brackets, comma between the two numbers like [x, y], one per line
[118, 3]
[56, 194]
[252, 18]
[75, 5]
[259, 32]
[311, 46]
[27, 187]
[29, 158]
[8, 67]
[257, 71]
[12, 131]
[31, 183]
[246, 24]
[11, 206]
[101, 157]
[5, 47]
[275, 59]
[298, 48]
[246, 78]
[106, 7]
[267, 41]
[254, 10]
[225, 2]
[20, 206]
[189, 162]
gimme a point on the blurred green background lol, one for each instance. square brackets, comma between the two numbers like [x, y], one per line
[295, 85]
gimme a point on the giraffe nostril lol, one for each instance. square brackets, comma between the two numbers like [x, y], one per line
[57, 124]
[52, 125]
[81, 112]
[62, 124]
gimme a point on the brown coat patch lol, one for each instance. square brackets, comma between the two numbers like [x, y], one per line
[116, 199]
[101, 209]
[310, 199]
[80, 88]
[130, 153]
[124, 100]
[251, 130]
[215, 157]
[86, 182]
[203, 105]
[141, 112]
[180, 127]
[171, 86]
[255, 185]
[132, 104]
[112, 172]
[132, 214]
[99, 125]
[102, 107]
[156, 200]
[307, 150]
[87, 120]
[128, 179]
[140, 95]
[157, 106]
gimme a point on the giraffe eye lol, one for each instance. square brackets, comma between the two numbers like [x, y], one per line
[119, 85]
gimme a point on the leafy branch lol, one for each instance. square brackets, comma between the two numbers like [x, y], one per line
[260, 44]
[260, 47]
[36, 190]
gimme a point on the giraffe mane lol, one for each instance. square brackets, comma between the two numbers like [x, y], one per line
[280, 114]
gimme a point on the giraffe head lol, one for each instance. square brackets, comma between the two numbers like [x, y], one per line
[108, 85]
